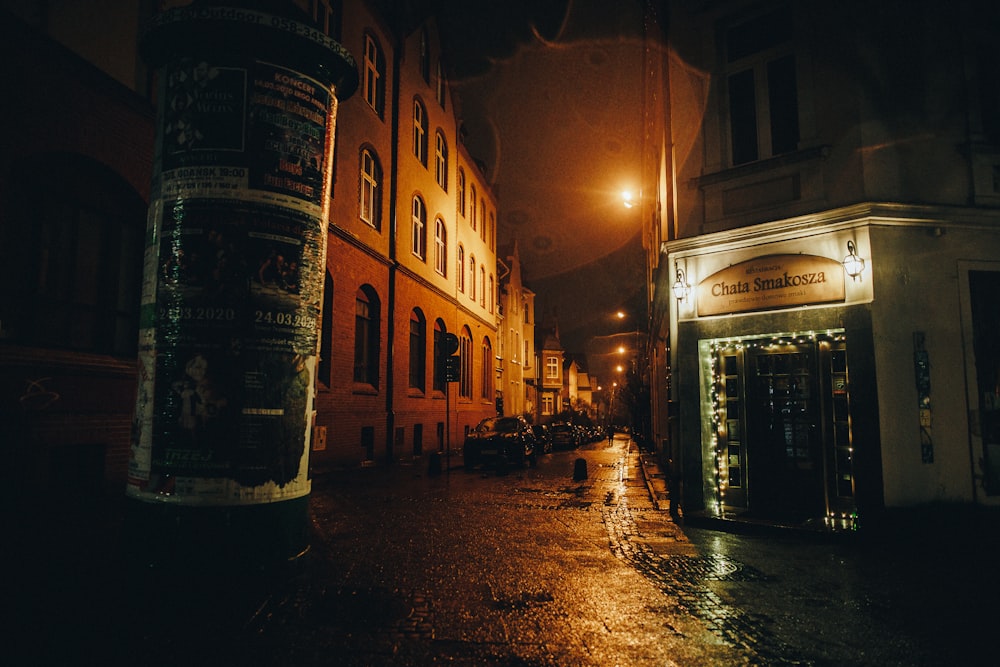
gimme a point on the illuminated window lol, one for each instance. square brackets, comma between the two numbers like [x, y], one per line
[440, 247]
[548, 404]
[373, 84]
[482, 286]
[441, 161]
[472, 278]
[419, 228]
[552, 368]
[472, 206]
[465, 352]
[420, 132]
[371, 194]
[486, 381]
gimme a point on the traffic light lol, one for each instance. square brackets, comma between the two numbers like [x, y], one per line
[452, 368]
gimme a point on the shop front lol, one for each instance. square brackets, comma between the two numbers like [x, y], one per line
[828, 371]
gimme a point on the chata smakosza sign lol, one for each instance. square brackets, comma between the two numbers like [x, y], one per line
[773, 281]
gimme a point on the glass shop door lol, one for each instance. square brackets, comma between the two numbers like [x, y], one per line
[784, 445]
[784, 434]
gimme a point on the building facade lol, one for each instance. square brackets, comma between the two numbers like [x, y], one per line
[74, 188]
[516, 333]
[822, 284]
[549, 391]
[411, 253]
[411, 257]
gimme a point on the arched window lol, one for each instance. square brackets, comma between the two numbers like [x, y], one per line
[373, 83]
[419, 228]
[491, 233]
[460, 269]
[482, 286]
[439, 355]
[461, 192]
[472, 277]
[371, 193]
[482, 218]
[440, 247]
[366, 336]
[492, 295]
[465, 351]
[441, 160]
[486, 381]
[418, 350]
[420, 132]
[472, 206]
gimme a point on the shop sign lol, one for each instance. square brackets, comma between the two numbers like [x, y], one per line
[772, 281]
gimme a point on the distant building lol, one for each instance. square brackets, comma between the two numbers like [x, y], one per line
[516, 333]
[577, 388]
[549, 380]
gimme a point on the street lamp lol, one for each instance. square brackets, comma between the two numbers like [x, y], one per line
[681, 288]
[853, 264]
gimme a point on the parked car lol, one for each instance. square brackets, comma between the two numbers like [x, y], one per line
[543, 440]
[564, 436]
[500, 441]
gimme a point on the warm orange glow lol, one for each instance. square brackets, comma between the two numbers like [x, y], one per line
[621, 349]
[620, 314]
[628, 199]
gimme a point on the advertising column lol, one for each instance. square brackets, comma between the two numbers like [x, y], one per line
[233, 284]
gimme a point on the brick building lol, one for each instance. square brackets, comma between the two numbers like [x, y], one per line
[410, 252]
[74, 186]
[411, 257]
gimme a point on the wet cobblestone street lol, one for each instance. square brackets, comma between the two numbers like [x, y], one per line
[531, 568]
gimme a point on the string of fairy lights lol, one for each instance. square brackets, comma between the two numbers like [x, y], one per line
[719, 441]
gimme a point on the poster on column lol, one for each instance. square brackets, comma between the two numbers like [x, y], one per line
[237, 259]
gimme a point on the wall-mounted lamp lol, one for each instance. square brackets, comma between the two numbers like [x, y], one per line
[681, 288]
[853, 264]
